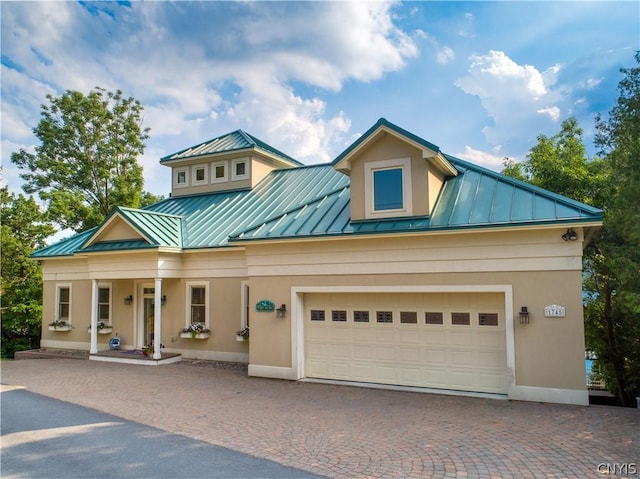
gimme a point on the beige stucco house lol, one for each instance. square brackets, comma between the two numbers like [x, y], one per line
[396, 265]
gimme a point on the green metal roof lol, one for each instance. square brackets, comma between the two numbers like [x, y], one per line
[209, 220]
[314, 201]
[234, 141]
[159, 229]
[475, 198]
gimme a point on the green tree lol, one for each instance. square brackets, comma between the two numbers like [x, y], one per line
[86, 163]
[559, 163]
[613, 308]
[23, 228]
[612, 259]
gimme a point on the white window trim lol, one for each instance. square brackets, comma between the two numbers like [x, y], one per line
[197, 284]
[205, 180]
[244, 304]
[176, 172]
[246, 162]
[213, 172]
[110, 287]
[407, 195]
[59, 286]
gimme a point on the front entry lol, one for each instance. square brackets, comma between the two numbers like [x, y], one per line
[146, 316]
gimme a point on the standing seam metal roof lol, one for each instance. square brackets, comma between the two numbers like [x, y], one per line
[234, 141]
[314, 201]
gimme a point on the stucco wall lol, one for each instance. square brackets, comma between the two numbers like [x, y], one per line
[540, 267]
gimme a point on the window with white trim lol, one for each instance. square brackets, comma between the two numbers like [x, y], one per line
[180, 179]
[104, 303]
[198, 303]
[219, 172]
[388, 188]
[63, 302]
[199, 175]
[240, 169]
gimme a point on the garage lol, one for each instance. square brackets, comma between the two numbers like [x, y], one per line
[453, 341]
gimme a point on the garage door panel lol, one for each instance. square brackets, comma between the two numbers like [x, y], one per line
[434, 338]
[460, 338]
[340, 351]
[386, 353]
[413, 353]
[363, 352]
[410, 355]
[461, 358]
[489, 358]
[492, 341]
[434, 356]
[386, 373]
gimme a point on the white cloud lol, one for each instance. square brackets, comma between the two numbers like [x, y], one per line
[513, 95]
[258, 69]
[445, 55]
[482, 158]
[553, 112]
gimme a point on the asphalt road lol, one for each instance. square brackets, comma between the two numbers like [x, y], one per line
[46, 438]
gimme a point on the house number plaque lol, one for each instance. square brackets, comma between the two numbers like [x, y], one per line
[554, 311]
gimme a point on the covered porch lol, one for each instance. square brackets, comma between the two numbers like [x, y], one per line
[135, 356]
[143, 342]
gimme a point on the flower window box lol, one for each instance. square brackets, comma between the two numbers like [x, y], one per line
[194, 335]
[195, 331]
[104, 330]
[60, 328]
[243, 334]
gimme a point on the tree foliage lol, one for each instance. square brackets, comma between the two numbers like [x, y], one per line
[559, 163]
[86, 163]
[23, 228]
[613, 308]
[612, 259]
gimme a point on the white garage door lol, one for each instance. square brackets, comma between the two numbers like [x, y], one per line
[436, 340]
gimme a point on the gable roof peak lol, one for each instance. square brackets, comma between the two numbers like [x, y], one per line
[383, 125]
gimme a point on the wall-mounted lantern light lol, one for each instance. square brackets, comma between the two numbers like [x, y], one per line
[128, 300]
[281, 311]
[163, 301]
[570, 235]
[524, 315]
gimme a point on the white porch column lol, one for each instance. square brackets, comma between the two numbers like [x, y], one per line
[94, 318]
[157, 320]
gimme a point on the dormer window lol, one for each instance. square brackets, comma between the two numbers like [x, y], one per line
[199, 175]
[219, 172]
[180, 178]
[239, 169]
[388, 188]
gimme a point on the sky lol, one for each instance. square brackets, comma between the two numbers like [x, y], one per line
[479, 79]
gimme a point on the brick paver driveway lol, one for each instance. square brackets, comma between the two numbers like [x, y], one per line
[346, 431]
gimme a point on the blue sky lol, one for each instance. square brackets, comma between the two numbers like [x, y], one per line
[479, 79]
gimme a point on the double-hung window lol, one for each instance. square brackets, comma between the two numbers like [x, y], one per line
[63, 303]
[388, 188]
[104, 304]
[197, 303]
